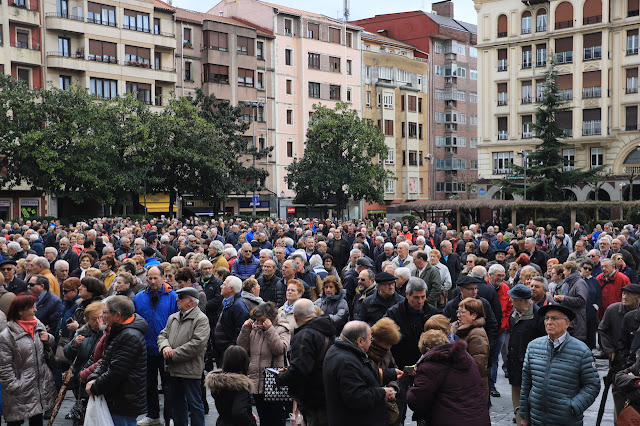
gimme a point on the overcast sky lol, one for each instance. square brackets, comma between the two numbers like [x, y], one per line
[360, 9]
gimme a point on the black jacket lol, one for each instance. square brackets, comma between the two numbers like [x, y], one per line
[272, 290]
[72, 258]
[374, 307]
[539, 258]
[560, 252]
[350, 284]
[521, 333]
[355, 395]
[304, 374]
[406, 352]
[489, 293]
[214, 299]
[17, 286]
[232, 393]
[122, 374]
[453, 264]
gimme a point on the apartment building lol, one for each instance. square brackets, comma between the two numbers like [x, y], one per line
[595, 47]
[316, 59]
[449, 44]
[231, 59]
[394, 84]
[21, 40]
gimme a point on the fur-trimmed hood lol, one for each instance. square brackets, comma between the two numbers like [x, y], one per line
[452, 354]
[219, 382]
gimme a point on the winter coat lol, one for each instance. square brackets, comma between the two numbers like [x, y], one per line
[447, 388]
[575, 293]
[477, 346]
[626, 384]
[360, 296]
[244, 269]
[229, 324]
[505, 304]
[491, 326]
[374, 307]
[289, 318]
[82, 305]
[432, 277]
[68, 311]
[27, 383]
[49, 310]
[231, 393]
[156, 317]
[522, 330]
[304, 374]
[265, 349]
[336, 307]
[214, 299]
[122, 375]
[558, 385]
[354, 394]
[250, 300]
[188, 335]
[272, 290]
[411, 324]
[611, 289]
[79, 356]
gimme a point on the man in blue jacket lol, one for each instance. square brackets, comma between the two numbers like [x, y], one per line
[245, 264]
[234, 313]
[155, 304]
[559, 376]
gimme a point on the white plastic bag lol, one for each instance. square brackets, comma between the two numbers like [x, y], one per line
[97, 412]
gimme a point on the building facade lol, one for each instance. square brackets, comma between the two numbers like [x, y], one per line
[449, 44]
[594, 45]
[395, 96]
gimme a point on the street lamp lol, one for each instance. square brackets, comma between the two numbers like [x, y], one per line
[254, 107]
[281, 197]
[524, 155]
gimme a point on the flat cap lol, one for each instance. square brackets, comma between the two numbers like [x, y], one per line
[385, 277]
[631, 288]
[364, 261]
[189, 291]
[467, 280]
[520, 291]
[255, 243]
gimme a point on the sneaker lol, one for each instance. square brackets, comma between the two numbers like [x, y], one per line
[147, 421]
[494, 392]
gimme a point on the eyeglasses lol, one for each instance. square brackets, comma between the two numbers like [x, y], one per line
[587, 269]
[67, 290]
[7, 269]
[593, 255]
[552, 318]
[461, 312]
[362, 279]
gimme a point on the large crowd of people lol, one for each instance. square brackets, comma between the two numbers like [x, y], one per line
[360, 320]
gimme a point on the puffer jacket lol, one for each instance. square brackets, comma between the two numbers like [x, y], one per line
[243, 268]
[156, 317]
[265, 349]
[188, 336]
[336, 307]
[477, 346]
[27, 383]
[576, 293]
[231, 393]
[122, 374]
[558, 385]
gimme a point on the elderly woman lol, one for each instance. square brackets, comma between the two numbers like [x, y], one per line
[108, 267]
[470, 328]
[333, 303]
[329, 266]
[622, 267]
[28, 389]
[385, 333]
[170, 274]
[556, 277]
[178, 262]
[185, 277]
[251, 293]
[469, 262]
[512, 252]
[295, 290]
[316, 263]
[90, 290]
[21, 268]
[85, 263]
[574, 295]
[447, 388]
[442, 323]
[595, 298]
[445, 275]
[513, 269]
[266, 337]
[124, 285]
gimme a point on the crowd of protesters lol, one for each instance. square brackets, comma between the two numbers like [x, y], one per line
[361, 319]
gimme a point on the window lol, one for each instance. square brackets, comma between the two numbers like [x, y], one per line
[411, 103]
[420, 133]
[65, 82]
[334, 64]
[473, 143]
[503, 133]
[245, 46]
[103, 51]
[289, 87]
[631, 114]
[136, 56]
[569, 157]
[290, 149]
[334, 35]
[245, 77]
[390, 186]
[216, 40]
[217, 74]
[592, 49]
[502, 60]
[22, 39]
[403, 130]
[591, 124]
[541, 20]
[388, 100]
[419, 105]
[368, 99]
[64, 46]
[401, 102]
[157, 61]
[367, 71]
[188, 76]
[473, 97]
[313, 31]
[334, 92]
[287, 26]
[24, 74]
[502, 26]
[539, 90]
[289, 116]
[597, 157]
[473, 52]
[404, 76]
[99, 14]
[314, 90]
[632, 42]
[156, 25]
[260, 81]
[260, 49]
[348, 66]
[473, 120]
[503, 95]
[349, 37]
[314, 61]
[527, 92]
[527, 127]
[103, 88]
[413, 130]
[413, 158]
[541, 55]
[141, 91]
[62, 7]
[502, 162]
[139, 21]
[451, 164]
[388, 127]
[385, 73]
[526, 23]
[632, 80]
[186, 40]
[526, 56]
[473, 74]
[348, 95]
[438, 47]
[287, 57]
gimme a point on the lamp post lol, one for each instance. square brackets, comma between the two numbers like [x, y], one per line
[254, 107]
[524, 155]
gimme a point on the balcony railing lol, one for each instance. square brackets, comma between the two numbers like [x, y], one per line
[568, 168]
[564, 24]
[66, 55]
[631, 170]
[502, 64]
[526, 30]
[502, 98]
[592, 20]
[64, 16]
[590, 128]
[541, 28]
[591, 53]
[632, 89]
[25, 45]
[23, 5]
[527, 135]
[527, 100]
[102, 58]
[568, 133]
[631, 127]
[164, 34]
[541, 63]
[503, 135]
[526, 63]
[633, 13]
[502, 34]
[564, 57]
[102, 22]
[566, 94]
[591, 92]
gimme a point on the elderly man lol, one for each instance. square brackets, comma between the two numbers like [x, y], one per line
[402, 278]
[183, 342]
[550, 363]
[11, 282]
[40, 265]
[403, 259]
[558, 250]
[272, 289]
[580, 252]
[484, 250]
[430, 275]
[121, 375]
[15, 251]
[215, 255]
[350, 278]
[535, 256]
[384, 297]
[366, 287]
[497, 275]
[289, 269]
[450, 259]
[48, 305]
[539, 287]
[246, 264]
[124, 252]
[387, 254]
[234, 314]
[51, 254]
[353, 388]
[611, 282]
[304, 376]
[61, 270]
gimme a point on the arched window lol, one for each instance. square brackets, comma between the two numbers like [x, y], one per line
[564, 15]
[541, 20]
[526, 22]
[592, 12]
[502, 26]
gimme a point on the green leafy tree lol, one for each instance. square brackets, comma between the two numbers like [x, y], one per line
[546, 178]
[337, 161]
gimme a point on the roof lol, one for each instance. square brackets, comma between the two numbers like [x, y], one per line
[200, 17]
[383, 39]
[164, 6]
[452, 23]
[261, 30]
[299, 12]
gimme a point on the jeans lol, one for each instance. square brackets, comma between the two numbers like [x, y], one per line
[33, 421]
[270, 413]
[493, 359]
[186, 401]
[123, 420]
[155, 364]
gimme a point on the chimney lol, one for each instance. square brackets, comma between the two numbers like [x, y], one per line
[443, 8]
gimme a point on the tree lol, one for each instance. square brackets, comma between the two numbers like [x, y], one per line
[546, 178]
[337, 161]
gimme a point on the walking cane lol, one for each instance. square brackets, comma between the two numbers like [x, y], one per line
[66, 377]
[603, 402]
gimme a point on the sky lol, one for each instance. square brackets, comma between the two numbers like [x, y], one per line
[359, 9]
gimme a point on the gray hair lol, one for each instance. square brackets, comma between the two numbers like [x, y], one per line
[388, 245]
[530, 240]
[303, 309]
[33, 237]
[542, 280]
[204, 262]
[404, 244]
[354, 330]
[403, 272]
[51, 249]
[315, 261]
[495, 267]
[180, 259]
[608, 262]
[354, 251]
[217, 245]
[60, 263]
[231, 251]
[267, 252]
[13, 246]
[121, 304]
[420, 239]
[415, 284]
[235, 283]
[478, 272]
[42, 262]
[288, 241]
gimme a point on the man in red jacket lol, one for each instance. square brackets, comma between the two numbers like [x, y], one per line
[497, 275]
[611, 282]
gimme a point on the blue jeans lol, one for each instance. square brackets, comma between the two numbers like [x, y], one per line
[493, 361]
[123, 420]
[186, 401]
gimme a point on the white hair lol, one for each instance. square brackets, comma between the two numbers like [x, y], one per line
[235, 283]
[388, 245]
[231, 251]
[403, 272]
[60, 263]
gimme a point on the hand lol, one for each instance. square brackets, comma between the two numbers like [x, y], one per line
[612, 356]
[400, 374]
[47, 327]
[247, 324]
[558, 298]
[525, 422]
[73, 326]
[255, 417]
[283, 369]
[88, 387]
[389, 394]
[167, 352]
[44, 336]
[267, 324]
[78, 341]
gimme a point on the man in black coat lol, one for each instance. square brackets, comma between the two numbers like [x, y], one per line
[535, 256]
[410, 315]
[272, 289]
[309, 345]
[65, 253]
[122, 374]
[450, 259]
[558, 249]
[338, 247]
[353, 390]
[375, 306]
[388, 253]
[11, 282]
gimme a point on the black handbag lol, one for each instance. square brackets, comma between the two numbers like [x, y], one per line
[273, 392]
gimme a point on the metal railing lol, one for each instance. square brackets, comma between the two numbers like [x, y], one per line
[564, 24]
[591, 92]
[592, 127]
[564, 57]
[592, 20]
[64, 16]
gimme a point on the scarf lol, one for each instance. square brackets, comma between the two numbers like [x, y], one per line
[376, 354]
[28, 325]
[288, 307]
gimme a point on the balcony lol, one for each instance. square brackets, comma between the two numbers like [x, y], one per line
[503, 98]
[631, 127]
[526, 63]
[568, 133]
[589, 20]
[502, 34]
[503, 135]
[632, 50]
[527, 100]
[62, 61]
[590, 128]
[564, 24]
[526, 30]
[502, 65]
[25, 55]
[564, 57]
[541, 28]
[527, 135]
[591, 92]
[632, 13]
[64, 16]
[23, 15]
[568, 168]
[541, 63]
[592, 53]
[631, 170]
[631, 89]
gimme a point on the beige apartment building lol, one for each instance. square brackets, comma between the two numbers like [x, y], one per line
[595, 47]
[394, 85]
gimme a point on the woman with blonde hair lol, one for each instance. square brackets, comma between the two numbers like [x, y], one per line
[442, 323]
